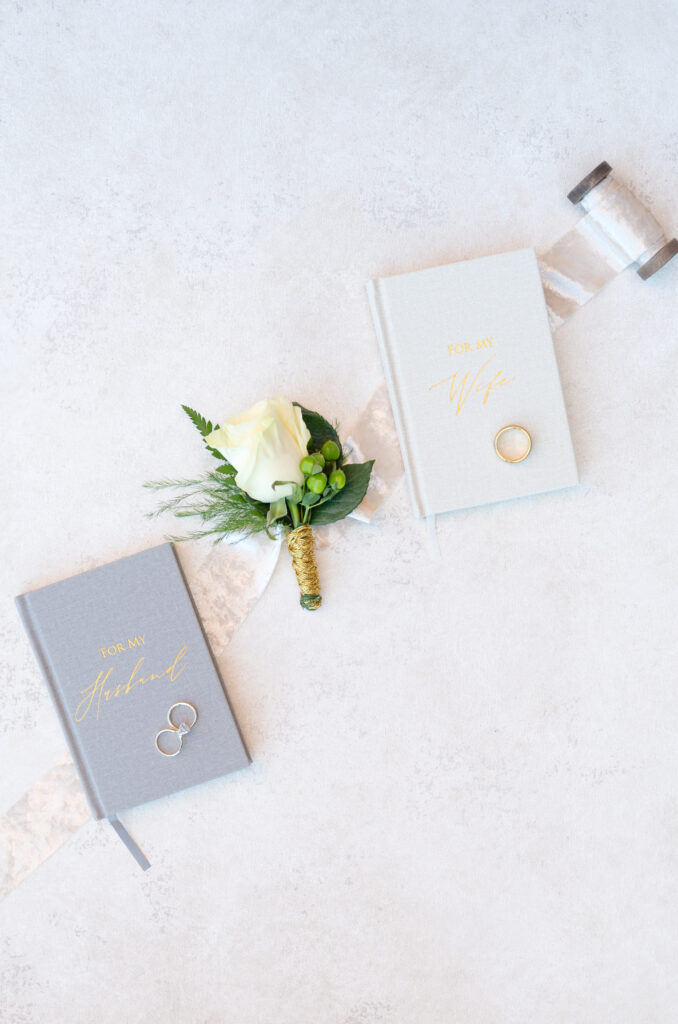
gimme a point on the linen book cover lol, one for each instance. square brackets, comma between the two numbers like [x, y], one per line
[467, 350]
[118, 645]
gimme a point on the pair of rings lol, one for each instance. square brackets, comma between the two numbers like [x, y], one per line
[512, 443]
[182, 716]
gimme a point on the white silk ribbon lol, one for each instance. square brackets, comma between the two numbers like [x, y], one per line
[616, 232]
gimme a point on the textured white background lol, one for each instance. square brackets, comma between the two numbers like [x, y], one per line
[462, 807]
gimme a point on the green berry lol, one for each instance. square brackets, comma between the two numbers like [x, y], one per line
[319, 461]
[337, 480]
[307, 465]
[317, 483]
[331, 451]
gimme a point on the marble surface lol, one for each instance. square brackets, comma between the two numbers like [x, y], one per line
[462, 806]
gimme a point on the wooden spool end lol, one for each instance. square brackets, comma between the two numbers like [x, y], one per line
[595, 177]
[666, 253]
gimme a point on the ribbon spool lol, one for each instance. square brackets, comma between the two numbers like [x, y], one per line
[616, 232]
[650, 262]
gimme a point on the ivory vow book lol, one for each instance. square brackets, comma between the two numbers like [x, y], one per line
[467, 350]
[118, 646]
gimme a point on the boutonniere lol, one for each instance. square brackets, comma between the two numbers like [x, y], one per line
[281, 468]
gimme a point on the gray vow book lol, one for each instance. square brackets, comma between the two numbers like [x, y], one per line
[118, 646]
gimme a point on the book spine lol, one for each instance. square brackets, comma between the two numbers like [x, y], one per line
[396, 390]
[23, 607]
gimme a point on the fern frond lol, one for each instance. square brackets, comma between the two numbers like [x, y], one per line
[222, 508]
[204, 426]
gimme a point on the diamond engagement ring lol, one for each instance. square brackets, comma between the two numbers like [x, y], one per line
[182, 716]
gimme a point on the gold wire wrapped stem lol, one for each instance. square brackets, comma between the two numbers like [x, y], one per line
[300, 544]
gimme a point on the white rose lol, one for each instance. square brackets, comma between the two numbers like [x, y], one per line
[265, 444]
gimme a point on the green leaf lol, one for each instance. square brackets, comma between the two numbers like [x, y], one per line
[295, 497]
[203, 425]
[228, 469]
[310, 499]
[217, 455]
[319, 428]
[277, 510]
[344, 501]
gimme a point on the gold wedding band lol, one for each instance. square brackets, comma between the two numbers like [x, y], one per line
[523, 454]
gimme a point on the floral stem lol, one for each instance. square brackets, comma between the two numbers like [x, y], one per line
[300, 544]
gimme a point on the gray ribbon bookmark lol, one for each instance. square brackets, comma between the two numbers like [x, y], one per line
[123, 834]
